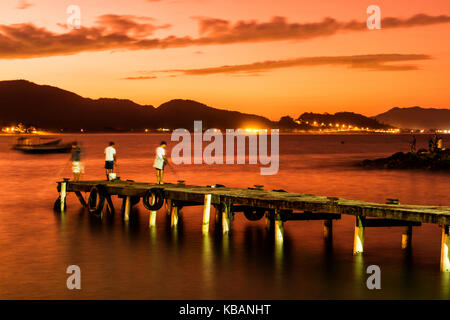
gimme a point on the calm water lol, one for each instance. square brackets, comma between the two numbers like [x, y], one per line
[129, 261]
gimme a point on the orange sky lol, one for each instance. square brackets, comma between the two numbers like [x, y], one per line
[154, 51]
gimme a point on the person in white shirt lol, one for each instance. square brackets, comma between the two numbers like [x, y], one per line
[160, 161]
[110, 159]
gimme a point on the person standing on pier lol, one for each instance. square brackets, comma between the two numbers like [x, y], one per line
[110, 159]
[77, 165]
[160, 162]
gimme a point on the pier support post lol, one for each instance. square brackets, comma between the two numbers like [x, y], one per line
[174, 216]
[270, 223]
[109, 203]
[407, 238]
[81, 198]
[169, 207]
[206, 213]
[358, 242]
[328, 230]
[218, 217]
[279, 228]
[63, 195]
[152, 219]
[127, 208]
[226, 221]
[445, 245]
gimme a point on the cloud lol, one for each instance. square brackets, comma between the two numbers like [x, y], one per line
[135, 33]
[23, 4]
[219, 31]
[126, 24]
[109, 32]
[372, 62]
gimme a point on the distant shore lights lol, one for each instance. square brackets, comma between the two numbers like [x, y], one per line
[213, 152]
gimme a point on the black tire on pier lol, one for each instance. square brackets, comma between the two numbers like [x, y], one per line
[254, 214]
[153, 199]
[96, 200]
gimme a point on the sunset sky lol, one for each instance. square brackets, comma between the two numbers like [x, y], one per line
[272, 58]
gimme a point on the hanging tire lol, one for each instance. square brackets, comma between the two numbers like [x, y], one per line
[57, 205]
[254, 214]
[153, 199]
[96, 200]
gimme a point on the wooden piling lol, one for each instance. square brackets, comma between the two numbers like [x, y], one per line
[279, 228]
[81, 198]
[445, 254]
[358, 242]
[63, 195]
[152, 219]
[169, 207]
[109, 203]
[407, 238]
[328, 230]
[226, 221]
[218, 212]
[270, 224]
[127, 208]
[174, 216]
[206, 213]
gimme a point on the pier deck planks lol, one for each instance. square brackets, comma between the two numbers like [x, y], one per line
[274, 200]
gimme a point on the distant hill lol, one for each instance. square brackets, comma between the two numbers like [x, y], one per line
[52, 108]
[340, 118]
[416, 118]
[182, 114]
[49, 107]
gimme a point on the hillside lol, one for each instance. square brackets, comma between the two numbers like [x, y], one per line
[416, 118]
[49, 107]
[340, 119]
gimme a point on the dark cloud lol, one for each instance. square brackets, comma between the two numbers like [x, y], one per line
[130, 25]
[373, 62]
[135, 33]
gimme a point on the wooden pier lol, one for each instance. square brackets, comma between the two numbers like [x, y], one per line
[276, 207]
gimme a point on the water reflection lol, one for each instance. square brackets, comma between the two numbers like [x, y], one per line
[445, 285]
[177, 263]
[359, 276]
[207, 265]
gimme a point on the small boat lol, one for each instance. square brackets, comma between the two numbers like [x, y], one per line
[37, 146]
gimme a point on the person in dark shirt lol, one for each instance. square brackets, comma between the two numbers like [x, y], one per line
[77, 166]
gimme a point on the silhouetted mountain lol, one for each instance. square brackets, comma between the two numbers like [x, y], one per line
[52, 108]
[340, 118]
[288, 122]
[182, 114]
[49, 107]
[416, 118]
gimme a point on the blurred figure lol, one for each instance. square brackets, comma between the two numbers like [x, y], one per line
[413, 144]
[160, 161]
[439, 143]
[431, 145]
[110, 159]
[77, 165]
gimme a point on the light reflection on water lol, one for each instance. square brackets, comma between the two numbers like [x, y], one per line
[129, 260]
